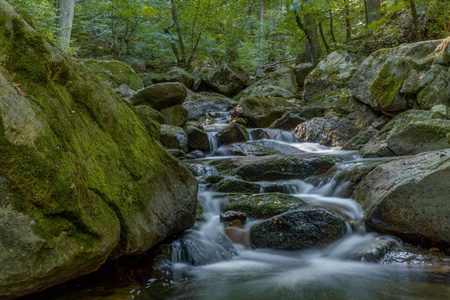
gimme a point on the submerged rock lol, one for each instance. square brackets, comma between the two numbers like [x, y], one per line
[161, 95]
[299, 230]
[226, 79]
[408, 198]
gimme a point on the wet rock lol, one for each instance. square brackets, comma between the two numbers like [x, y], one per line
[162, 95]
[174, 74]
[408, 198]
[289, 120]
[174, 137]
[149, 112]
[236, 186]
[260, 112]
[226, 79]
[265, 91]
[237, 236]
[233, 133]
[301, 71]
[245, 149]
[282, 77]
[233, 215]
[299, 230]
[197, 138]
[375, 252]
[213, 179]
[259, 134]
[332, 73]
[175, 115]
[409, 133]
[263, 206]
[274, 167]
[197, 154]
[327, 132]
[201, 104]
[359, 140]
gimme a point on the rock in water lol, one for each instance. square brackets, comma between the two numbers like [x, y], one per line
[81, 178]
[174, 137]
[409, 198]
[161, 95]
[226, 79]
[233, 133]
[299, 230]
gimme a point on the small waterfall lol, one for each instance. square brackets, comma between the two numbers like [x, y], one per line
[213, 142]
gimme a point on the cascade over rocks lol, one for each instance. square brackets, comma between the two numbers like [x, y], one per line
[161, 95]
[174, 74]
[299, 230]
[410, 132]
[82, 179]
[327, 132]
[409, 198]
[331, 73]
[261, 112]
[226, 79]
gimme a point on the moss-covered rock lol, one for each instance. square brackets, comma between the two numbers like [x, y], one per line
[226, 79]
[197, 138]
[173, 137]
[145, 112]
[260, 112]
[174, 74]
[115, 73]
[85, 179]
[175, 115]
[265, 91]
[233, 133]
[433, 88]
[282, 77]
[161, 95]
[263, 206]
[236, 186]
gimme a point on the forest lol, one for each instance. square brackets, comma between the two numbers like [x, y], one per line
[224, 149]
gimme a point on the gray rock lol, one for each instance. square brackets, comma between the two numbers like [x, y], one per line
[197, 138]
[174, 74]
[265, 91]
[174, 137]
[175, 115]
[299, 230]
[226, 79]
[233, 133]
[289, 120]
[433, 88]
[301, 71]
[199, 105]
[283, 78]
[161, 95]
[359, 140]
[408, 198]
[327, 132]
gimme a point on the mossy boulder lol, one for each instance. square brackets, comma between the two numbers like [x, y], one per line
[282, 77]
[409, 133]
[327, 132]
[245, 149]
[201, 104]
[331, 73]
[236, 186]
[84, 178]
[261, 112]
[175, 115]
[226, 79]
[197, 138]
[263, 206]
[265, 91]
[233, 133]
[433, 88]
[299, 230]
[173, 137]
[359, 140]
[145, 112]
[161, 95]
[115, 73]
[408, 198]
[379, 79]
[174, 74]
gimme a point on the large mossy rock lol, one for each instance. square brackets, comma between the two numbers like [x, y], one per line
[265, 91]
[145, 112]
[379, 80]
[432, 87]
[161, 95]
[199, 105]
[81, 178]
[173, 137]
[261, 112]
[299, 230]
[327, 132]
[115, 73]
[282, 77]
[232, 134]
[174, 74]
[331, 73]
[226, 79]
[175, 115]
[411, 132]
[409, 198]
[263, 206]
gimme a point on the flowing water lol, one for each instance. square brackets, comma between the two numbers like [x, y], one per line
[221, 270]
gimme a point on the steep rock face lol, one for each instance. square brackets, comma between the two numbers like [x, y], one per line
[379, 79]
[81, 178]
[409, 198]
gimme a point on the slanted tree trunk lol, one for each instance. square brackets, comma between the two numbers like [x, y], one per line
[332, 28]
[417, 34]
[310, 30]
[327, 48]
[348, 27]
[64, 20]
[372, 12]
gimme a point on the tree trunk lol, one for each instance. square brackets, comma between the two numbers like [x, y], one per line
[327, 48]
[372, 10]
[64, 20]
[416, 21]
[331, 28]
[182, 62]
[348, 27]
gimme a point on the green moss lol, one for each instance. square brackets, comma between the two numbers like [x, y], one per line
[385, 87]
[236, 186]
[116, 72]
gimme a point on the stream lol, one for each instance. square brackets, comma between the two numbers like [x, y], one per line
[233, 271]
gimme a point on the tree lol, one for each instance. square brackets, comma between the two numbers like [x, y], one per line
[372, 13]
[415, 20]
[64, 20]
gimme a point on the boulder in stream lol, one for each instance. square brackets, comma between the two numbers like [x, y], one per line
[197, 138]
[199, 105]
[299, 230]
[233, 133]
[174, 137]
[175, 115]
